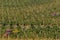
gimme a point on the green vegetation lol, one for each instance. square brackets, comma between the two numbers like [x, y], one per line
[32, 18]
[33, 32]
[27, 11]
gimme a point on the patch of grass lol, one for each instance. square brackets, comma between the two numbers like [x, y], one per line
[34, 18]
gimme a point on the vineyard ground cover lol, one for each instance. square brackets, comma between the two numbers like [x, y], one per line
[35, 10]
[32, 18]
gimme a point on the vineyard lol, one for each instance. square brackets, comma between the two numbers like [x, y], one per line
[30, 19]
